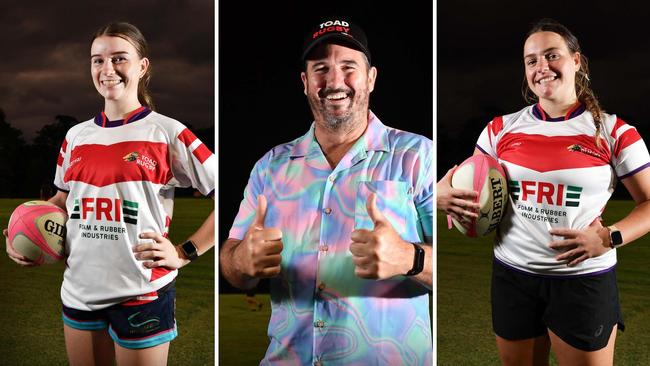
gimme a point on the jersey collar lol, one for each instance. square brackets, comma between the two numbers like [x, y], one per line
[102, 121]
[574, 111]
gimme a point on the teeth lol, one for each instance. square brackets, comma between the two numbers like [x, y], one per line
[546, 79]
[111, 82]
[337, 96]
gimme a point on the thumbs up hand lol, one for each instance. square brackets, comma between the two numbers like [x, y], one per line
[379, 253]
[260, 251]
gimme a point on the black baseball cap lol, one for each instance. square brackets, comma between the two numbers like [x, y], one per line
[339, 31]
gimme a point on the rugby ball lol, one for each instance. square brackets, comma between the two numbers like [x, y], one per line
[483, 174]
[37, 231]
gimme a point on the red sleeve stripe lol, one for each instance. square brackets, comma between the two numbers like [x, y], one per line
[202, 153]
[187, 137]
[619, 123]
[626, 139]
[64, 145]
[496, 125]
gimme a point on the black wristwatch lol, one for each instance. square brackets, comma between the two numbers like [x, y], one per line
[615, 237]
[418, 261]
[189, 249]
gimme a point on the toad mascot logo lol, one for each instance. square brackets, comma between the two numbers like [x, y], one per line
[131, 157]
[141, 159]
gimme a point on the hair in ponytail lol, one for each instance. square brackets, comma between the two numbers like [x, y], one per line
[132, 34]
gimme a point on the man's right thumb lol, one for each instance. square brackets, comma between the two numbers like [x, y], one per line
[260, 212]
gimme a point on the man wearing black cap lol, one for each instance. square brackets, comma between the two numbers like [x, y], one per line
[340, 219]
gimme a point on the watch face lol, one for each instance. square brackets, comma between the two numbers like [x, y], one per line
[190, 250]
[617, 238]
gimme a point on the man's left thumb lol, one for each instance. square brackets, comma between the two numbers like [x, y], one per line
[373, 212]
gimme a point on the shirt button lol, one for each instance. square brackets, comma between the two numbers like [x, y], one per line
[323, 248]
[327, 211]
[319, 324]
[331, 178]
[321, 286]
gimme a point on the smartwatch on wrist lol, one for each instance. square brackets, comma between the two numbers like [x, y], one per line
[615, 237]
[189, 250]
[418, 261]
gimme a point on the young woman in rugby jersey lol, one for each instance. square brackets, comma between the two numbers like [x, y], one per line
[116, 175]
[554, 281]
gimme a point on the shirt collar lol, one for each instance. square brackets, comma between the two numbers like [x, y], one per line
[375, 138]
[575, 110]
[102, 121]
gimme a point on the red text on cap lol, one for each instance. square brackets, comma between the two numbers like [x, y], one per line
[330, 29]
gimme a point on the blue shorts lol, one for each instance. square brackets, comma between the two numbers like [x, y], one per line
[131, 324]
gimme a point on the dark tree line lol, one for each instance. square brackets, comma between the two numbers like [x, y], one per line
[27, 169]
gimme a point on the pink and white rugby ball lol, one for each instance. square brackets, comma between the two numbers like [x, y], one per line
[37, 231]
[483, 174]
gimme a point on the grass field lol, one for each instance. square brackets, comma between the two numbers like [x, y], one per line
[242, 332]
[31, 330]
[464, 317]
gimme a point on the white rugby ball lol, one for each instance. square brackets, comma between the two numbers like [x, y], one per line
[483, 174]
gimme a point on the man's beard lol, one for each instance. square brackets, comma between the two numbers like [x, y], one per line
[339, 122]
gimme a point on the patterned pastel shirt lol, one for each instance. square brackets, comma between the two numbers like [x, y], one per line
[321, 312]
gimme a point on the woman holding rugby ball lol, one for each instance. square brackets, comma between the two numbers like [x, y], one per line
[554, 280]
[116, 175]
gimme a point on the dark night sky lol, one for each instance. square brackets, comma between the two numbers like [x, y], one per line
[261, 100]
[480, 62]
[45, 66]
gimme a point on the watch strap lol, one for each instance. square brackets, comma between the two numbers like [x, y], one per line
[418, 261]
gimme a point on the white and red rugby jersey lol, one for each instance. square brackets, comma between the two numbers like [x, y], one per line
[557, 177]
[120, 178]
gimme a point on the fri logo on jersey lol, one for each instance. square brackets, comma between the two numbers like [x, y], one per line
[545, 192]
[108, 209]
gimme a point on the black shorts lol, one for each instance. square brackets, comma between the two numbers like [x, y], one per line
[581, 310]
[131, 324]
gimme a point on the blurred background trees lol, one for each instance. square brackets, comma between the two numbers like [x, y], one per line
[27, 168]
